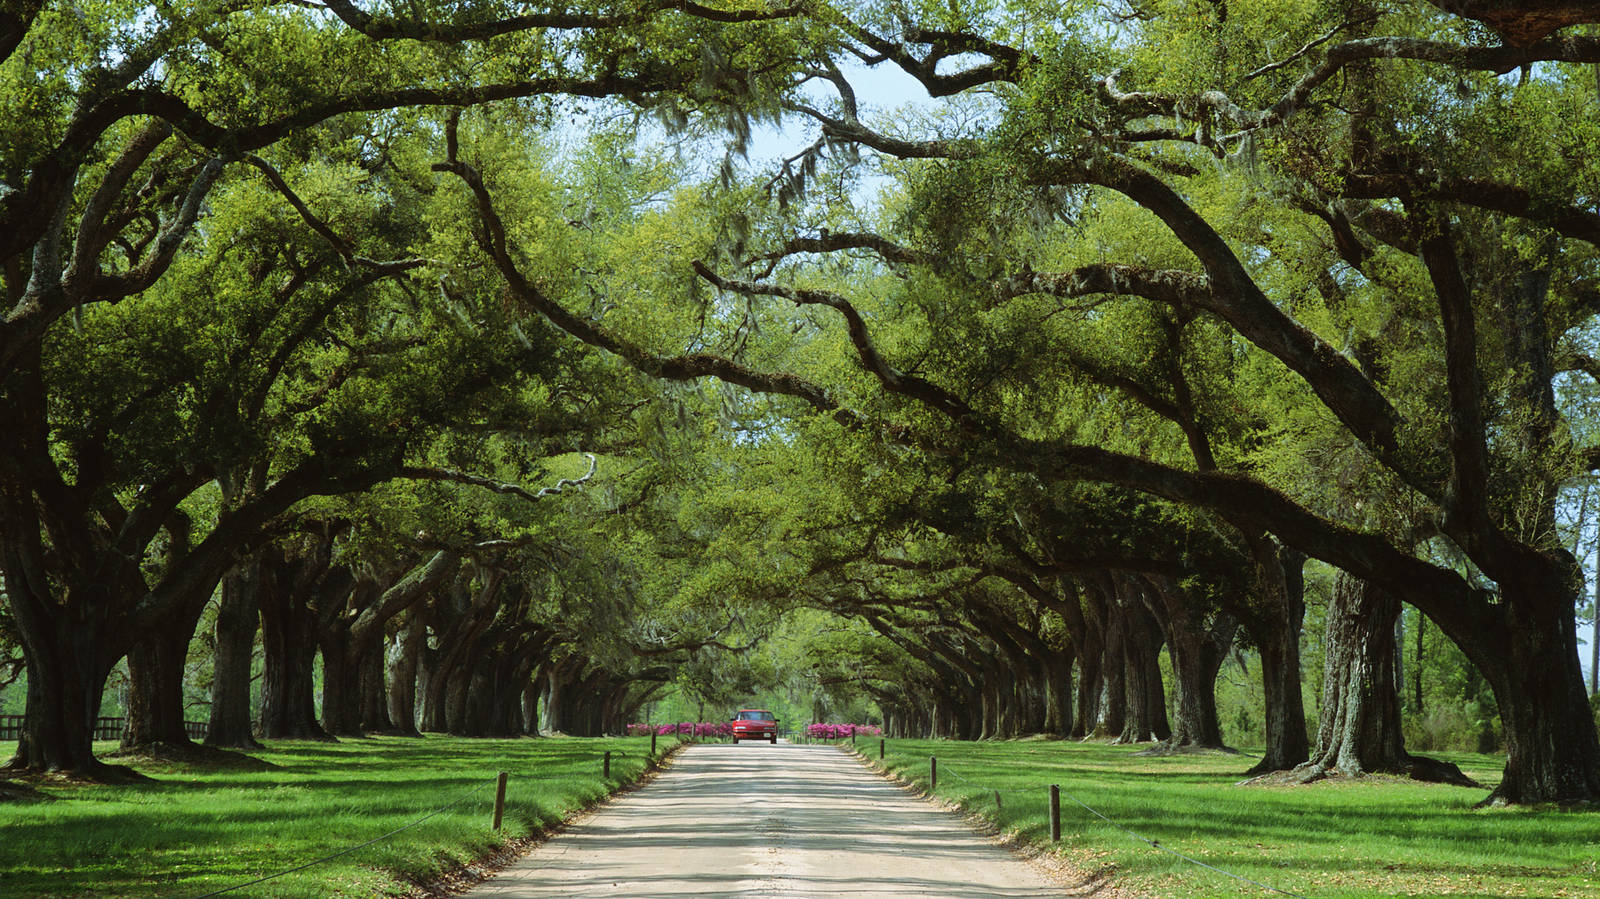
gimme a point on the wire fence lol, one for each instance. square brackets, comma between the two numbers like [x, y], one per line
[943, 769]
[498, 781]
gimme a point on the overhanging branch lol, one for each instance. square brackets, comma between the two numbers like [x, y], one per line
[424, 473]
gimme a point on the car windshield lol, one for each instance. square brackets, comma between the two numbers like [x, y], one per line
[755, 716]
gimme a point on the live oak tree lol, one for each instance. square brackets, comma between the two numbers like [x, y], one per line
[1192, 263]
[1382, 196]
[117, 128]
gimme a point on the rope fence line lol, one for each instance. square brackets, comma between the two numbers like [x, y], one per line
[343, 852]
[945, 769]
[500, 785]
[1155, 844]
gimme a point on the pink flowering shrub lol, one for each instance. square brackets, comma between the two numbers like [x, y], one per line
[687, 729]
[842, 731]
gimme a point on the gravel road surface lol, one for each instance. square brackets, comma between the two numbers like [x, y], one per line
[768, 820]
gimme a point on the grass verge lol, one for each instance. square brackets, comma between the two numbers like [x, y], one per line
[195, 830]
[1375, 836]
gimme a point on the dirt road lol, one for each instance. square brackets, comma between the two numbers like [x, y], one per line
[764, 820]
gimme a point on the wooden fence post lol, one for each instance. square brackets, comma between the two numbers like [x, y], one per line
[933, 773]
[1055, 813]
[606, 770]
[880, 750]
[652, 742]
[499, 799]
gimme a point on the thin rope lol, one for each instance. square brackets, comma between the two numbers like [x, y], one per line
[1154, 844]
[343, 852]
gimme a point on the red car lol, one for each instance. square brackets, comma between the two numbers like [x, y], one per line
[755, 724]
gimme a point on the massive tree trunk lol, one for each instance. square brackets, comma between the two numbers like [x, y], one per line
[530, 705]
[373, 705]
[404, 655]
[1276, 631]
[1524, 641]
[1058, 693]
[451, 671]
[1112, 701]
[975, 705]
[67, 673]
[555, 675]
[238, 619]
[341, 662]
[1031, 656]
[289, 638]
[464, 614]
[157, 660]
[1359, 725]
[1197, 651]
[1145, 715]
[991, 706]
[1530, 658]
[1086, 647]
[155, 689]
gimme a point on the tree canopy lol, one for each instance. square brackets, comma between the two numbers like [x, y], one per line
[483, 349]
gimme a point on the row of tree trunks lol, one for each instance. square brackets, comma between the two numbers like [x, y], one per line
[374, 633]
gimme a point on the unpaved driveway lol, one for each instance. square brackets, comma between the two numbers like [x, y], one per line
[765, 820]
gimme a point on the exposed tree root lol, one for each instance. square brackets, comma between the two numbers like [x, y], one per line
[15, 792]
[1168, 747]
[98, 773]
[248, 744]
[1418, 768]
[193, 755]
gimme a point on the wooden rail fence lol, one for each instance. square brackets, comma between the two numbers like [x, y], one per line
[104, 728]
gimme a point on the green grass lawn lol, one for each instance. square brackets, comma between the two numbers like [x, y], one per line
[1372, 837]
[195, 831]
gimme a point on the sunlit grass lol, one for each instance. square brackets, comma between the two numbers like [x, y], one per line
[1370, 837]
[194, 831]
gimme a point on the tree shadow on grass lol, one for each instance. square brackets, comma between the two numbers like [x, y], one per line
[174, 757]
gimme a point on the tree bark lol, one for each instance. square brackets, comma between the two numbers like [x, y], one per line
[1530, 657]
[337, 606]
[1197, 651]
[374, 696]
[157, 660]
[554, 705]
[1058, 694]
[1112, 701]
[445, 689]
[1281, 581]
[1359, 729]
[66, 678]
[289, 639]
[530, 706]
[1144, 700]
[238, 619]
[155, 690]
[352, 643]
[404, 655]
